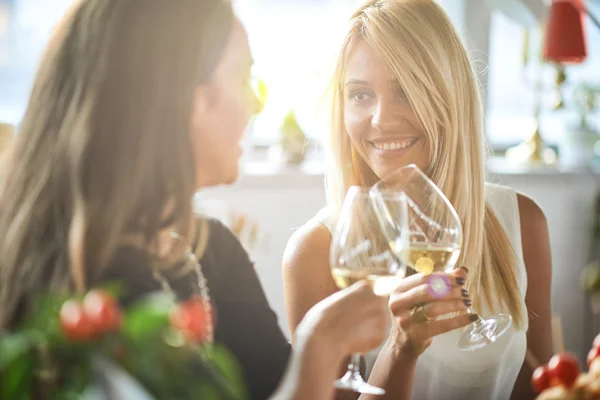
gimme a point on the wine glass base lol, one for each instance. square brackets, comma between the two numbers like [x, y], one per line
[355, 383]
[484, 332]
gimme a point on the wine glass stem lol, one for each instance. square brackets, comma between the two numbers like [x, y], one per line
[354, 366]
[478, 325]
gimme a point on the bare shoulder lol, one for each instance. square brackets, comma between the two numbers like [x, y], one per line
[311, 240]
[537, 256]
[535, 239]
[306, 274]
[532, 217]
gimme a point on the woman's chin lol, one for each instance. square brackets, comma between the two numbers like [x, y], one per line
[231, 180]
[224, 178]
[231, 175]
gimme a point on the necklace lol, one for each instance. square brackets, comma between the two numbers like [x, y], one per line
[203, 292]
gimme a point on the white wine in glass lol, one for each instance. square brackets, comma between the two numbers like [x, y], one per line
[432, 239]
[360, 251]
[428, 258]
[380, 279]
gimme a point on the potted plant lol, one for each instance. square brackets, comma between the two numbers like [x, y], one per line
[73, 347]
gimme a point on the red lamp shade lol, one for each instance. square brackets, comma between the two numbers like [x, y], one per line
[565, 36]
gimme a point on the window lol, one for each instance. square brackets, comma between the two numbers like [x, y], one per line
[25, 26]
[294, 43]
[511, 96]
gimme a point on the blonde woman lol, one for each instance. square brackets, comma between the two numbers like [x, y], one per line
[405, 92]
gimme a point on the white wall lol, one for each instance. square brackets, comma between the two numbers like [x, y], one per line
[282, 201]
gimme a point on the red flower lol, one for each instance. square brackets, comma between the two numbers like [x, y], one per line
[564, 368]
[74, 323]
[103, 311]
[192, 319]
[98, 314]
[540, 379]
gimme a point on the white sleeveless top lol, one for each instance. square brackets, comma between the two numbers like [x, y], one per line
[444, 371]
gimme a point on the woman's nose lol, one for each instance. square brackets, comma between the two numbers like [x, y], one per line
[386, 116]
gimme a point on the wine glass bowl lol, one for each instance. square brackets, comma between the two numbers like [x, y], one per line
[429, 235]
[360, 251]
[432, 233]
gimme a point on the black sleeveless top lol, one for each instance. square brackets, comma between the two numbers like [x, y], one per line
[245, 323]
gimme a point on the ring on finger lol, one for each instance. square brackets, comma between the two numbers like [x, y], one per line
[418, 313]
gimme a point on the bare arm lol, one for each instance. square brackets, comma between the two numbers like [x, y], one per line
[352, 320]
[307, 278]
[306, 274]
[394, 370]
[538, 262]
[311, 371]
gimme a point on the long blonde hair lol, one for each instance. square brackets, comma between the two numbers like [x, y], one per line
[419, 43]
[103, 152]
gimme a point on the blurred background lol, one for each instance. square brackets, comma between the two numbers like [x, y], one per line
[542, 123]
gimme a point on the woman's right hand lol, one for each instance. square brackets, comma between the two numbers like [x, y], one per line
[437, 294]
[353, 320]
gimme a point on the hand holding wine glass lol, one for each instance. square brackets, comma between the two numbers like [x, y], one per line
[360, 251]
[431, 241]
[439, 294]
[351, 320]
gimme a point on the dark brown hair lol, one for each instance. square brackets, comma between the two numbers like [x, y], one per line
[103, 151]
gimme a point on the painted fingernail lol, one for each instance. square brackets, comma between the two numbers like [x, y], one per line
[473, 317]
[465, 268]
[460, 281]
[467, 302]
[464, 292]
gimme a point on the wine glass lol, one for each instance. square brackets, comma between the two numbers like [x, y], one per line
[360, 251]
[433, 240]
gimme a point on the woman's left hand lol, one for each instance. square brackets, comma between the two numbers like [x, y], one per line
[419, 299]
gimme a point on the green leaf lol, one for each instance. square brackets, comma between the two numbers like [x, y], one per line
[166, 368]
[227, 371]
[148, 316]
[17, 378]
[116, 289]
[46, 316]
[13, 346]
[78, 376]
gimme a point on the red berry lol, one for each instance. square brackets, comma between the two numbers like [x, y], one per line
[103, 311]
[191, 319]
[540, 380]
[565, 368]
[74, 323]
[592, 355]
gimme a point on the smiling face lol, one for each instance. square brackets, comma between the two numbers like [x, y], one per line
[378, 117]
